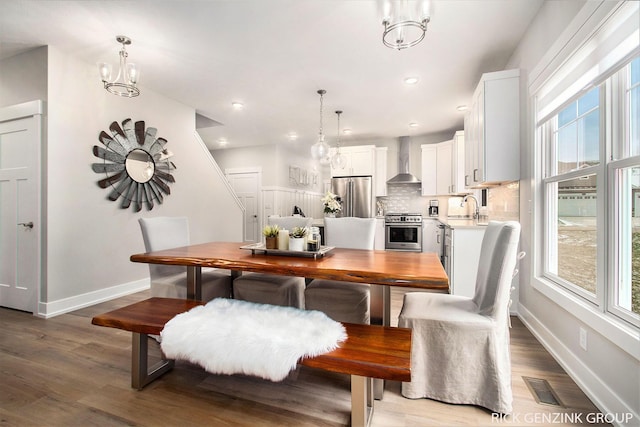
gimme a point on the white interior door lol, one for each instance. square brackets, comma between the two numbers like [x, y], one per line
[19, 211]
[246, 186]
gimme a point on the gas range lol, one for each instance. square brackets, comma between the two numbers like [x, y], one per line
[406, 218]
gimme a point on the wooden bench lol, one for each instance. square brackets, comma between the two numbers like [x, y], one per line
[370, 351]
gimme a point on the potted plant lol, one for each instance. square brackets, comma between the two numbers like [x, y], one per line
[270, 233]
[296, 238]
[331, 204]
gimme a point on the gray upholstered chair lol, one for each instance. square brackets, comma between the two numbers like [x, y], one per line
[170, 280]
[344, 301]
[460, 345]
[272, 288]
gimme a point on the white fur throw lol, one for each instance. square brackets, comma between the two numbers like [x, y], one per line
[228, 336]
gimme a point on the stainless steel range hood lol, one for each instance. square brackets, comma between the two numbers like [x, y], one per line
[404, 152]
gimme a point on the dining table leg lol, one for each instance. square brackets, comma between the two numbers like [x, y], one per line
[194, 283]
[380, 315]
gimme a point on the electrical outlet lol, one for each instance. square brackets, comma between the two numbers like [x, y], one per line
[583, 338]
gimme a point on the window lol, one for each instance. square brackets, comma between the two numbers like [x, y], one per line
[591, 162]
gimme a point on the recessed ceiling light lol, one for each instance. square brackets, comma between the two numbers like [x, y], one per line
[292, 136]
[222, 142]
[461, 108]
[347, 131]
[411, 80]
[237, 105]
[413, 125]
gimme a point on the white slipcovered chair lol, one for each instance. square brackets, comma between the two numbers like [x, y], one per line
[288, 222]
[170, 281]
[272, 288]
[344, 301]
[460, 345]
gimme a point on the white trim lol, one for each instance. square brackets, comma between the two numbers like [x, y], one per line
[66, 305]
[607, 325]
[19, 111]
[600, 394]
[577, 33]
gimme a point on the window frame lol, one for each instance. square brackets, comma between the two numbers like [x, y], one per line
[614, 142]
[548, 248]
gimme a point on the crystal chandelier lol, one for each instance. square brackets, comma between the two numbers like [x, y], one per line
[320, 150]
[338, 161]
[128, 74]
[405, 22]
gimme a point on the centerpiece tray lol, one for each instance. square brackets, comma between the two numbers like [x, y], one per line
[260, 247]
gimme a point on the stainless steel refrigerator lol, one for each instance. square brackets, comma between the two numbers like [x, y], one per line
[355, 194]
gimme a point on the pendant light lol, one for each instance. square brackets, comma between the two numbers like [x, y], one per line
[320, 150]
[128, 74]
[338, 161]
[405, 22]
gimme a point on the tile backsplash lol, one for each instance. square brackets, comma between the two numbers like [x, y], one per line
[502, 202]
[403, 198]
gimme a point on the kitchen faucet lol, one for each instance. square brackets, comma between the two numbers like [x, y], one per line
[476, 213]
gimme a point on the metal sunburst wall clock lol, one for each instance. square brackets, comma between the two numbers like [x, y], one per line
[136, 165]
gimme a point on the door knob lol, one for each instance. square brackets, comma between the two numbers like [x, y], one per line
[26, 224]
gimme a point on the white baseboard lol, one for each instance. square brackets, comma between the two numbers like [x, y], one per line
[65, 305]
[600, 393]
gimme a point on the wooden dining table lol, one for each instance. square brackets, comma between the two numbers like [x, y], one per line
[377, 267]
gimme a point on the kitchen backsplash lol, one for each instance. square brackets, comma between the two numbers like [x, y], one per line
[403, 198]
[502, 202]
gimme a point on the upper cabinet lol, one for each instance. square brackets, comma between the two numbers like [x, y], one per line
[492, 131]
[443, 167]
[380, 176]
[360, 160]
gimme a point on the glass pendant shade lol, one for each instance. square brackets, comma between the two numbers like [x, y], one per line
[339, 160]
[320, 149]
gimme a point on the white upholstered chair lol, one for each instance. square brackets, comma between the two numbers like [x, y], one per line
[170, 281]
[460, 345]
[344, 301]
[272, 288]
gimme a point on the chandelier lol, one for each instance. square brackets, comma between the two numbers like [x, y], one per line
[338, 160]
[320, 150]
[128, 74]
[405, 23]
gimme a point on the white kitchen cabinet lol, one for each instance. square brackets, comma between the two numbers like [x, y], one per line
[443, 167]
[461, 258]
[429, 169]
[432, 236]
[492, 130]
[457, 164]
[380, 176]
[444, 154]
[360, 160]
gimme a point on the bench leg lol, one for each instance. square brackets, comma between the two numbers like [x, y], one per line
[361, 401]
[141, 375]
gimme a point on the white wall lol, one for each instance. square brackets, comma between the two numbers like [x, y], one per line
[88, 239]
[608, 372]
[274, 161]
[24, 77]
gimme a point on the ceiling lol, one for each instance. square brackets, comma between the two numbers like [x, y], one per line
[273, 56]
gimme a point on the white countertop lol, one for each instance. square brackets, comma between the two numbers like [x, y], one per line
[459, 222]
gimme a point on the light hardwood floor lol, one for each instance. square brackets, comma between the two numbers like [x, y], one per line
[65, 372]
